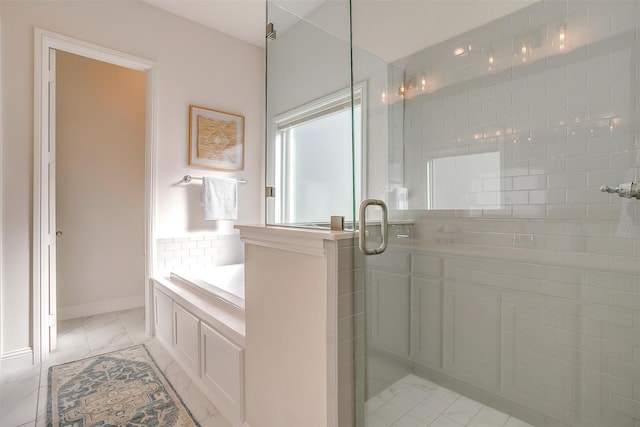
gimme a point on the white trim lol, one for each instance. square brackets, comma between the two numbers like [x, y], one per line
[151, 160]
[1, 201]
[45, 40]
[325, 103]
[92, 51]
[110, 306]
[293, 239]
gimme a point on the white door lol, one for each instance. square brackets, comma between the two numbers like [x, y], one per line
[51, 189]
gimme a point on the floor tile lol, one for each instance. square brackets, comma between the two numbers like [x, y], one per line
[100, 321]
[463, 410]
[514, 422]
[425, 413]
[72, 336]
[18, 375]
[19, 401]
[372, 404]
[388, 414]
[201, 408]
[24, 392]
[66, 354]
[215, 421]
[70, 324]
[404, 404]
[489, 417]
[445, 394]
[43, 400]
[167, 364]
[109, 337]
[408, 421]
[133, 322]
[373, 421]
[434, 404]
[443, 421]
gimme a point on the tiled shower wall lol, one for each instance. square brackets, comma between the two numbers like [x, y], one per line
[348, 322]
[198, 251]
[529, 299]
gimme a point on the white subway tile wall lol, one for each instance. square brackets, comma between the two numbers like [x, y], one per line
[197, 251]
[533, 304]
[350, 335]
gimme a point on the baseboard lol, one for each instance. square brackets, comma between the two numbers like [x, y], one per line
[15, 359]
[83, 310]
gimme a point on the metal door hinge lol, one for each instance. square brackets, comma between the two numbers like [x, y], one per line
[269, 192]
[271, 31]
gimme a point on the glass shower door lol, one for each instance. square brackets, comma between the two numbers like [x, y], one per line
[310, 155]
[509, 292]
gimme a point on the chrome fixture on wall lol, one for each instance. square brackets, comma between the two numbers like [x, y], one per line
[188, 178]
[627, 190]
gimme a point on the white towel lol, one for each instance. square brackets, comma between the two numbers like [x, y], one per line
[219, 198]
[402, 198]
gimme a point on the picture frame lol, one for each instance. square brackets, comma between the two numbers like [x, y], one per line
[216, 139]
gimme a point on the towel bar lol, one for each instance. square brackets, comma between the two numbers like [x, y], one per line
[189, 178]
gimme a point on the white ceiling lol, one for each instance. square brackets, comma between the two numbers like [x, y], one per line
[243, 19]
[416, 23]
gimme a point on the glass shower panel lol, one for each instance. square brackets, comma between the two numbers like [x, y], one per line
[310, 154]
[510, 289]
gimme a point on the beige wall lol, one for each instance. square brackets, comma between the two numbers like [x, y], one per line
[196, 65]
[100, 141]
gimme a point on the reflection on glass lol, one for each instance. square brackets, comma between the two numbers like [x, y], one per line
[469, 181]
[514, 280]
[311, 158]
[313, 163]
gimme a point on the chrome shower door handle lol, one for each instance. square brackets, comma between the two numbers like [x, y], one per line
[362, 238]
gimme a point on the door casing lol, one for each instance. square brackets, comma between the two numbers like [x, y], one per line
[44, 157]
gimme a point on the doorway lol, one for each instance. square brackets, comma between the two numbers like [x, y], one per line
[100, 127]
[81, 173]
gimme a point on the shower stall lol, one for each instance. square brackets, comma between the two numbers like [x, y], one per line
[502, 139]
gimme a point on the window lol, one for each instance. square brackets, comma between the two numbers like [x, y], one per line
[315, 161]
[469, 181]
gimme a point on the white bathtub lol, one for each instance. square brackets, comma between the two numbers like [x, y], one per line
[226, 281]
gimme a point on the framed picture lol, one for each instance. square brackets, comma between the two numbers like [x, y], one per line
[216, 139]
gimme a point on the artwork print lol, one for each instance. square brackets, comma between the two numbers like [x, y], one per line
[216, 139]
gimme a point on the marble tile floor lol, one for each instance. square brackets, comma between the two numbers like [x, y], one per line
[23, 393]
[415, 402]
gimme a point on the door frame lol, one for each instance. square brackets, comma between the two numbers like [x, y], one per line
[44, 41]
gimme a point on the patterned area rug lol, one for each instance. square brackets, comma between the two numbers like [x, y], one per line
[122, 388]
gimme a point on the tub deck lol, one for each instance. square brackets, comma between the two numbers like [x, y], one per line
[216, 309]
